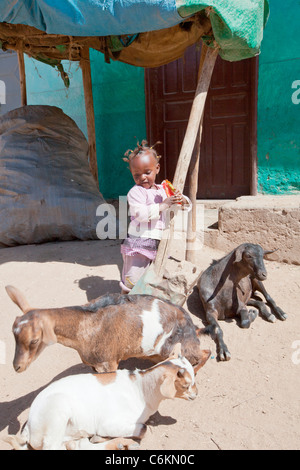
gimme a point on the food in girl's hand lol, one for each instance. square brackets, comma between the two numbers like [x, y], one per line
[169, 188]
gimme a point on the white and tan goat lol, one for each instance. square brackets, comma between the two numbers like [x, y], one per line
[105, 331]
[115, 404]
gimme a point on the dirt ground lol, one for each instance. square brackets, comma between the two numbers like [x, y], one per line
[250, 402]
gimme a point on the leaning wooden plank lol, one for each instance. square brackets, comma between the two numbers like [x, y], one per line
[89, 109]
[191, 236]
[193, 175]
[187, 148]
[195, 118]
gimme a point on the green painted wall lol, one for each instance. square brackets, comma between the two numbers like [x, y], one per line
[119, 102]
[45, 86]
[279, 101]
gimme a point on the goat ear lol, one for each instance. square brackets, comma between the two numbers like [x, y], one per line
[167, 388]
[205, 355]
[49, 336]
[239, 253]
[18, 298]
[176, 351]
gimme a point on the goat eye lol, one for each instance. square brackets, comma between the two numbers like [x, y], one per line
[34, 341]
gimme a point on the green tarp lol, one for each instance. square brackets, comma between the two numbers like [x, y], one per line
[237, 24]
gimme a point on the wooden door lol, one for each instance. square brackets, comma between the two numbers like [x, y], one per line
[228, 150]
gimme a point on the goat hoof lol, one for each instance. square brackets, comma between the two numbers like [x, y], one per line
[71, 445]
[224, 355]
[271, 318]
[252, 314]
[281, 314]
[134, 446]
[245, 323]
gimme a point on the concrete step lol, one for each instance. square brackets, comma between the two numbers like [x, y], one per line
[211, 219]
[271, 221]
[213, 203]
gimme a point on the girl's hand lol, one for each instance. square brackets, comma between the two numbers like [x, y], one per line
[177, 198]
[163, 206]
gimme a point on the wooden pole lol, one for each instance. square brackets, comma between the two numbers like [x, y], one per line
[89, 109]
[187, 148]
[22, 78]
[191, 238]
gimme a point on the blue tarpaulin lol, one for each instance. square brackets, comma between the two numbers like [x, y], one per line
[91, 17]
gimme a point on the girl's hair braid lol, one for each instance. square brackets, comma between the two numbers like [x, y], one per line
[140, 149]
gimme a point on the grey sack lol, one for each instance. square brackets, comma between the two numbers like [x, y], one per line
[47, 191]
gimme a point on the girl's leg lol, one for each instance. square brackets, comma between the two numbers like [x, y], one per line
[133, 268]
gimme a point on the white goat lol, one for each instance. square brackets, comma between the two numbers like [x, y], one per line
[115, 404]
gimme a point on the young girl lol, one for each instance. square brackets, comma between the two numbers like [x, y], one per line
[148, 203]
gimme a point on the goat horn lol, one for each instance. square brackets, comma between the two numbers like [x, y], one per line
[268, 252]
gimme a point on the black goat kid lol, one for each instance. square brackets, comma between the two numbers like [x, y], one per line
[228, 285]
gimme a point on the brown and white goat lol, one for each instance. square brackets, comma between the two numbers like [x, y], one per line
[115, 404]
[105, 331]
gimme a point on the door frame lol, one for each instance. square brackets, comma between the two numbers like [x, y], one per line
[253, 129]
[253, 121]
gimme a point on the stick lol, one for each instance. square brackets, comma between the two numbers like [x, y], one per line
[89, 109]
[216, 443]
[245, 401]
[187, 148]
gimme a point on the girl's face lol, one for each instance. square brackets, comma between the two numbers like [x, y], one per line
[144, 169]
